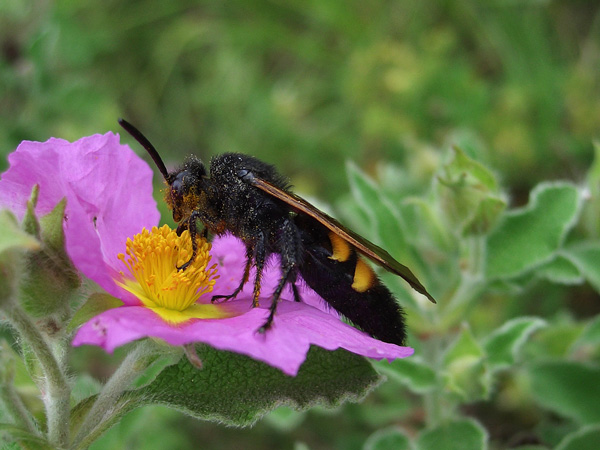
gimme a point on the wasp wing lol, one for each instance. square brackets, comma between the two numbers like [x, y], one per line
[362, 245]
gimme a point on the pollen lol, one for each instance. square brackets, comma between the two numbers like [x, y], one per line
[152, 258]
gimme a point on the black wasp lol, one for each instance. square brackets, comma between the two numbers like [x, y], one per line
[249, 199]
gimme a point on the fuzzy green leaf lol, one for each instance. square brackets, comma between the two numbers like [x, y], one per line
[12, 237]
[237, 390]
[591, 210]
[388, 439]
[465, 434]
[586, 438]
[586, 257]
[49, 277]
[591, 333]
[413, 372]
[485, 216]
[470, 194]
[466, 371]
[12, 433]
[14, 242]
[530, 236]
[504, 344]
[568, 388]
[560, 270]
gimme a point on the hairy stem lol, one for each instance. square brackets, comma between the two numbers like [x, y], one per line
[106, 405]
[57, 392]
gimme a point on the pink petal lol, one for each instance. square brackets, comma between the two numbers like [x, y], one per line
[108, 190]
[285, 345]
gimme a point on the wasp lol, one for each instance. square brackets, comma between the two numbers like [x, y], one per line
[243, 196]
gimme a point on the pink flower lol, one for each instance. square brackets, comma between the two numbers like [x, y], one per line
[108, 190]
[109, 199]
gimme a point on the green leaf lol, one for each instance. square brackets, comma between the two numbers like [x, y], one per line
[530, 236]
[30, 223]
[587, 438]
[464, 434]
[560, 270]
[568, 388]
[555, 341]
[284, 419]
[586, 257]
[466, 372]
[591, 210]
[14, 242]
[97, 303]
[464, 346]
[237, 390]
[485, 215]
[591, 333]
[388, 439]
[504, 344]
[49, 278]
[30, 440]
[464, 171]
[12, 237]
[51, 229]
[470, 194]
[413, 372]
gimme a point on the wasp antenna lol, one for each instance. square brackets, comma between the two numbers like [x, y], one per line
[144, 142]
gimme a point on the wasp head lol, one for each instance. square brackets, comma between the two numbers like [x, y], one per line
[186, 188]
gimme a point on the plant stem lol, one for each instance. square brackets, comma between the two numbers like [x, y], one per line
[57, 392]
[433, 400]
[105, 406]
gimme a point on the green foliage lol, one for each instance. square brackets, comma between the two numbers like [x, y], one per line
[324, 81]
[564, 387]
[457, 364]
[236, 390]
[258, 388]
[388, 439]
[456, 434]
[530, 236]
[584, 439]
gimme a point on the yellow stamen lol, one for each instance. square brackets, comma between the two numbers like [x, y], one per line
[152, 258]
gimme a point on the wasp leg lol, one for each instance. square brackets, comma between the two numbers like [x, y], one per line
[243, 282]
[297, 297]
[260, 255]
[290, 251]
[285, 279]
[182, 227]
[190, 225]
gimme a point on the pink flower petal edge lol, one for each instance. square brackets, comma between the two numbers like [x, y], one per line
[296, 327]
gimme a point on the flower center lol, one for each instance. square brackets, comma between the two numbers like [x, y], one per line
[152, 258]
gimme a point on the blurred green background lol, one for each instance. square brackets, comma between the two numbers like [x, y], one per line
[308, 85]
